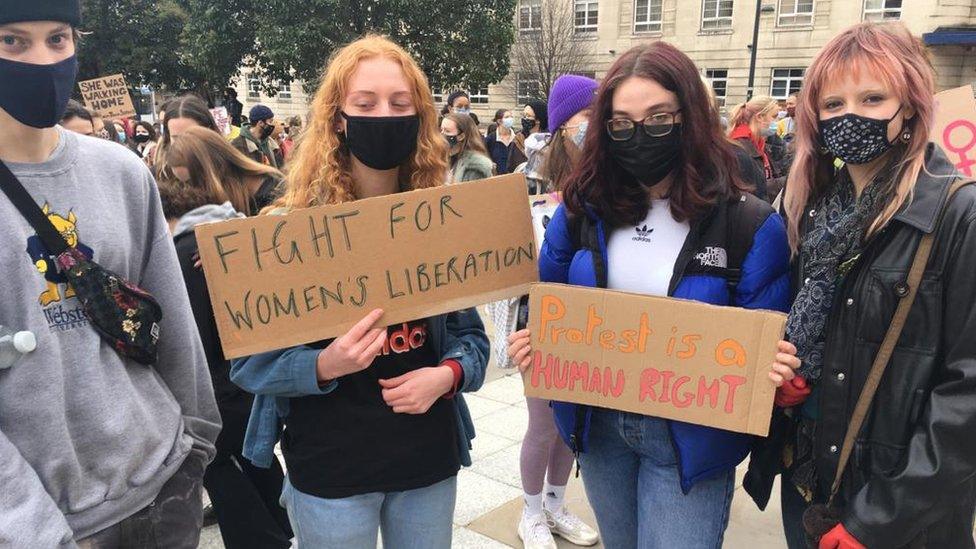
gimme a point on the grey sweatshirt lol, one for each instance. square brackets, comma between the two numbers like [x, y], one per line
[88, 438]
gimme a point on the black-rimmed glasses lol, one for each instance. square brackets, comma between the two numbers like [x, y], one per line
[656, 125]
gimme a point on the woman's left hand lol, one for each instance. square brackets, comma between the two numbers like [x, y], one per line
[415, 392]
[786, 363]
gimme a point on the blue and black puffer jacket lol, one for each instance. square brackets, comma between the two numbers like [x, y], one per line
[737, 255]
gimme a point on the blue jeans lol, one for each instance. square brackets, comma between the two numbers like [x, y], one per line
[631, 476]
[415, 519]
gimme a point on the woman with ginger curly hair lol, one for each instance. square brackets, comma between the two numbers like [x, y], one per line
[375, 429]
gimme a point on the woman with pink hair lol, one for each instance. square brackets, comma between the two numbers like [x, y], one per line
[868, 106]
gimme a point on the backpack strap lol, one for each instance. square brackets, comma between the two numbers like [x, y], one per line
[744, 217]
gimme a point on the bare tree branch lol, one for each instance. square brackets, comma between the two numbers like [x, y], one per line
[554, 49]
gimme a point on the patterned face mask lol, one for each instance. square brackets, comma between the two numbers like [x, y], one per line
[856, 139]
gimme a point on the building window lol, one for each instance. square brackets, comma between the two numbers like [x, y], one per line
[253, 87]
[439, 94]
[479, 96]
[718, 79]
[786, 82]
[647, 15]
[284, 92]
[530, 15]
[586, 12]
[882, 10]
[527, 88]
[716, 14]
[795, 13]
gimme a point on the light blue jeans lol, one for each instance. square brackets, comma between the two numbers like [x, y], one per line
[415, 519]
[631, 476]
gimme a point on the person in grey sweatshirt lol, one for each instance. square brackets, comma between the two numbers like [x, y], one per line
[95, 449]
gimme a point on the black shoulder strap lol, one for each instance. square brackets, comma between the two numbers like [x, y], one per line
[744, 217]
[22, 200]
[584, 235]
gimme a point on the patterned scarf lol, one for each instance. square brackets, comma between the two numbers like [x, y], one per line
[831, 246]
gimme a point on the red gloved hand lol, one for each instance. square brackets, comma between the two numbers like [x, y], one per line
[792, 393]
[840, 538]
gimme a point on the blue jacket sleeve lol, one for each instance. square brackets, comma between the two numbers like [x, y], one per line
[284, 373]
[765, 282]
[466, 342]
[557, 249]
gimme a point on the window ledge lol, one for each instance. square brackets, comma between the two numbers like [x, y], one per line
[793, 28]
[713, 32]
[585, 36]
[647, 34]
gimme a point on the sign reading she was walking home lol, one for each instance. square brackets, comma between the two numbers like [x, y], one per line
[279, 281]
[655, 356]
[108, 96]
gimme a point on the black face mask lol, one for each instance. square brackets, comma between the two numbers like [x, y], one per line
[856, 139]
[141, 138]
[452, 140]
[382, 142]
[37, 95]
[266, 132]
[648, 159]
[527, 125]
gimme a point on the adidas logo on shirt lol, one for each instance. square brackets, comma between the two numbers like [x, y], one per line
[643, 234]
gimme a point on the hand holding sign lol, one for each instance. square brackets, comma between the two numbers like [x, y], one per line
[786, 363]
[416, 391]
[354, 351]
[520, 349]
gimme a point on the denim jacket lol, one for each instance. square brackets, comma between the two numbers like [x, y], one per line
[276, 376]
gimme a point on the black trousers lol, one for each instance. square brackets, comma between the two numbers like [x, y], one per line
[245, 498]
[171, 521]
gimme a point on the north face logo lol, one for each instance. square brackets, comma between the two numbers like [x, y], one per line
[643, 234]
[713, 257]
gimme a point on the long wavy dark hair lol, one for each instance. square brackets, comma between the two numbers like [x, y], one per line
[707, 172]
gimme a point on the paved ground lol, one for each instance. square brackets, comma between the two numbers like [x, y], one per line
[489, 492]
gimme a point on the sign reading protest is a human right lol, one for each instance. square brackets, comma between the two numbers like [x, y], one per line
[108, 96]
[655, 356]
[278, 281]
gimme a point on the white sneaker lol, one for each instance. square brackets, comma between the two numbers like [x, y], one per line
[534, 532]
[571, 528]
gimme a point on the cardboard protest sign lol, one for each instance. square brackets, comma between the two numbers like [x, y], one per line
[107, 96]
[278, 281]
[222, 119]
[655, 356]
[543, 207]
[955, 127]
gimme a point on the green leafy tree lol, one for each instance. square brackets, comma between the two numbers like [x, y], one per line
[138, 38]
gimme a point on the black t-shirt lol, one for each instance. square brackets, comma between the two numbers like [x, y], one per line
[350, 442]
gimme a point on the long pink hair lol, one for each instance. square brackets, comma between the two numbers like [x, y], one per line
[892, 54]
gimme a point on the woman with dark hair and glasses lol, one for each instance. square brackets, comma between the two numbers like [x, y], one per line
[656, 202]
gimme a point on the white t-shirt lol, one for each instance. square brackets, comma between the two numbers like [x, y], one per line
[641, 259]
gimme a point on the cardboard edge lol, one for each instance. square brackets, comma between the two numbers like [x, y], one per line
[761, 407]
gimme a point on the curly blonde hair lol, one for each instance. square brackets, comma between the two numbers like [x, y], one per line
[321, 173]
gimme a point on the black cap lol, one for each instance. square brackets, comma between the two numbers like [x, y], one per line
[20, 11]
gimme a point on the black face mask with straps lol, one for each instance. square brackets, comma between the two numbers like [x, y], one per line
[856, 139]
[382, 142]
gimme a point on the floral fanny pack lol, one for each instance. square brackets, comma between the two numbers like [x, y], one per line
[124, 315]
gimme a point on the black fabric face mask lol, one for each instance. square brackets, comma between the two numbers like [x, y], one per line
[141, 138]
[382, 142]
[452, 140]
[856, 139]
[266, 132]
[37, 95]
[527, 125]
[648, 159]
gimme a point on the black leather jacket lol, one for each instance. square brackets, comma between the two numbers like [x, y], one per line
[910, 480]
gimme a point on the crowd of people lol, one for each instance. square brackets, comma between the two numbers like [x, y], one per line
[818, 204]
